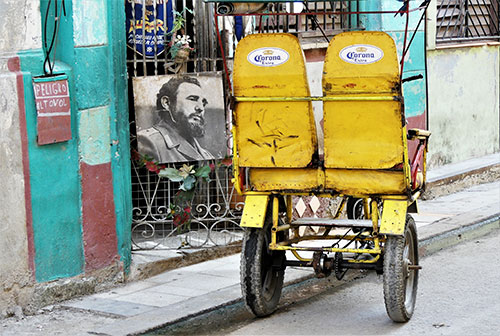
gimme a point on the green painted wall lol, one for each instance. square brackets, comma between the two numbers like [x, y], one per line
[120, 148]
[414, 91]
[97, 78]
[55, 188]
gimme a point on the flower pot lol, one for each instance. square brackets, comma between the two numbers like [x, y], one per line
[182, 55]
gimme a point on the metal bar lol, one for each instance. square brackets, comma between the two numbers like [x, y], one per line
[326, 249]
[449, 21]
[464, 39]
[403, 56]
[416, 29]
[133, 40]
[346, 223]
[328, 12]
[371, 265]
[165, 34]
[356, 237]
[315, 98]
[479, 19]
[154, 39]
[144, 69]
[224, 62]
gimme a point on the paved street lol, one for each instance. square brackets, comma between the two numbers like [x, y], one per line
[458, 295]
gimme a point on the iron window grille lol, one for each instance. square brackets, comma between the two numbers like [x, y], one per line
[467, 20]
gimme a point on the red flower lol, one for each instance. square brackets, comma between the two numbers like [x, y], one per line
[227, 161]
[181, 218]
[212, 166]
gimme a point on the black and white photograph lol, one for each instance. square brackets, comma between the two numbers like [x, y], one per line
[180, 118]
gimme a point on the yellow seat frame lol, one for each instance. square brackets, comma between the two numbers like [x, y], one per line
[365, 136]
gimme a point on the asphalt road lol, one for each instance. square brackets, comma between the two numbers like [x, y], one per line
[459, 294]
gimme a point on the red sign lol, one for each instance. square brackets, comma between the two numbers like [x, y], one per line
[53, 109]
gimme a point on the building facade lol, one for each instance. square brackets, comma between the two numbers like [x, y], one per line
[66, 206]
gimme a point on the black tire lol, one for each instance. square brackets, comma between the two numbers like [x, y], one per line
[354, 208]
[400, 283]
[261, 270]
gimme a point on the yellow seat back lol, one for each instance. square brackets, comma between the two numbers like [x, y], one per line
[364, 123]
[272, 134]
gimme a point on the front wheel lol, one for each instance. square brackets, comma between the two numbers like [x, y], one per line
[262, 270]
[400, 273]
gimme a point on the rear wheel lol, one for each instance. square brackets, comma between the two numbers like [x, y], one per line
[400, 278]
[262, 270]
[354, 208]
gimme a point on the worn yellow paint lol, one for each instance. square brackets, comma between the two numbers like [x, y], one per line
[365, 181]
[284, 179]
[276, 133]
[393, 217]
[340, 77]
[378, 142]
[365, 135]
[254, 212]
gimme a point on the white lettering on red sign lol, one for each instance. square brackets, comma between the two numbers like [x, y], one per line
[52, 98]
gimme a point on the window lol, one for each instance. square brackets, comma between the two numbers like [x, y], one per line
[464, 20]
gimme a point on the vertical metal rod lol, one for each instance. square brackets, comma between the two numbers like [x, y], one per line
[375, 215]
[165, 33]
[144, 38]
[226, 70]
[366, 208]
[275, 220]
[405, 38]
[154, 40]
[289, 208]
[134, 39]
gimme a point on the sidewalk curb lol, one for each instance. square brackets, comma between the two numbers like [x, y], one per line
[434, 238]
[148, 269]
[449, 238]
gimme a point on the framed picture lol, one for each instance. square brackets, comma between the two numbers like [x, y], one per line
[180, 117]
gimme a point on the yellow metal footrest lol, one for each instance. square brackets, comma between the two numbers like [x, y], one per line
[339, 223]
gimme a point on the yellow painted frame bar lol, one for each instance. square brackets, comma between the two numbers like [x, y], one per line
[317, 98]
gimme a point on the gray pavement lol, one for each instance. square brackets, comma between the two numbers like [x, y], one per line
[190, 291]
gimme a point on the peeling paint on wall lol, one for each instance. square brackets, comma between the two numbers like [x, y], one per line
[94, 139]
[463, 103]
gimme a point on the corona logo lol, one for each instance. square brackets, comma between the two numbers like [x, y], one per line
[268, 57]
[361, 54]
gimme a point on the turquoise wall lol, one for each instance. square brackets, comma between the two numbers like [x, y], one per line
[414, 91]
[120, 146]
[97, 78]
[55, 188]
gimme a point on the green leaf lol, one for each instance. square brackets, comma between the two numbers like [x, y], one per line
[203, 172]
[171, 173]
[189, 183]
[183, 197]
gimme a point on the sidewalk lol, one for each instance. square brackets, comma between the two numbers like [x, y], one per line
[190, 291]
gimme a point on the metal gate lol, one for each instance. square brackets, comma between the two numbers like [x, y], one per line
[216, 209]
